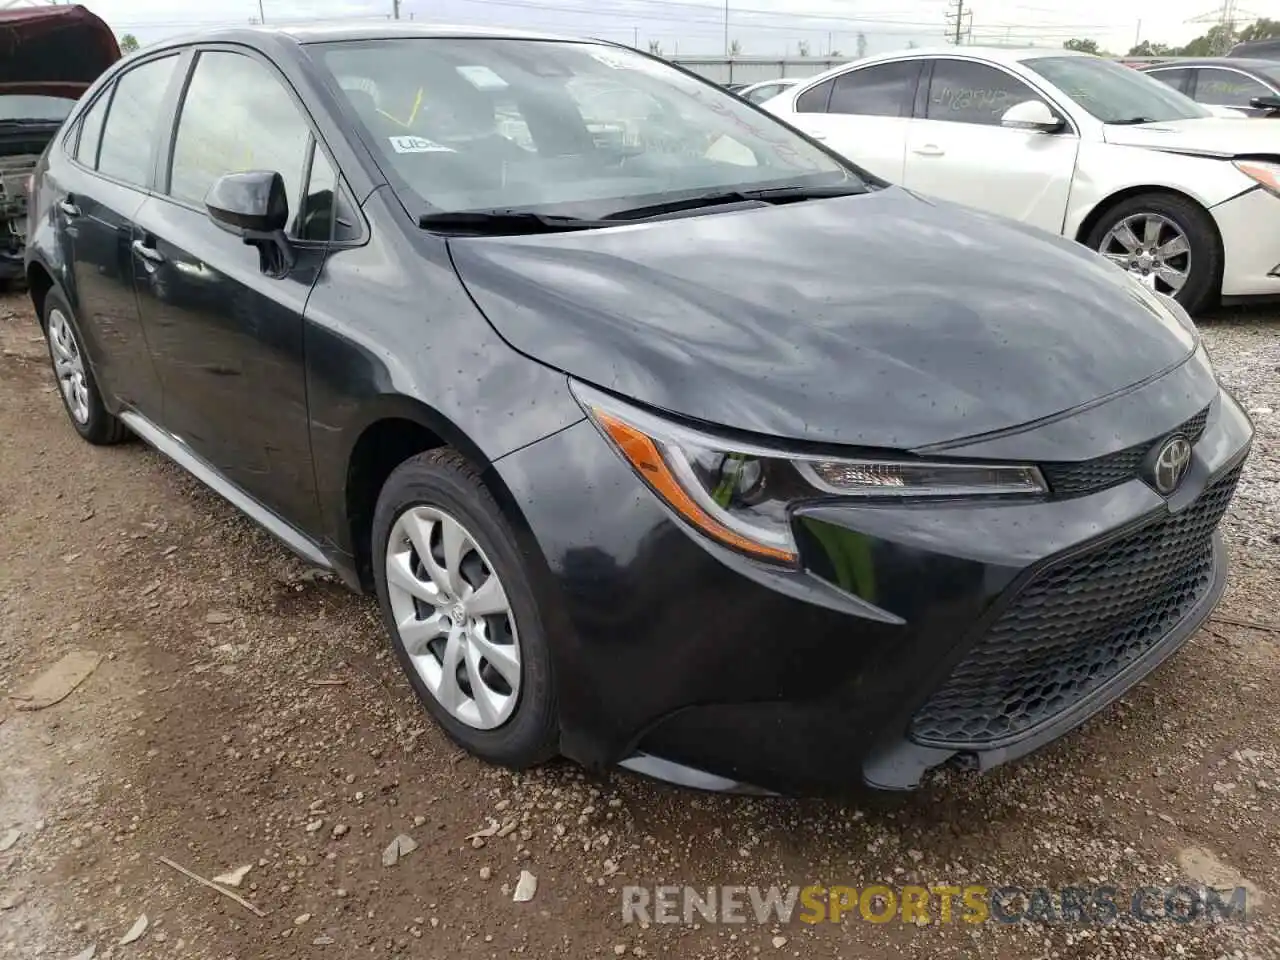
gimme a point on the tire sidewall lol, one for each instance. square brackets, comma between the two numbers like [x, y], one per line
[1195, 224]
[100, 427]
[441, 481]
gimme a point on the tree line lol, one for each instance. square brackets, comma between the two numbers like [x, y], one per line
[1216, 41]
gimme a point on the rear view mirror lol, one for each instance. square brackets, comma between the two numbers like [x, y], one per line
[1271, 103]
[1032, 115]
[255, 207]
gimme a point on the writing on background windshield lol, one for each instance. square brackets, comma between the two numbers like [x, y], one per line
[1114, 93]
[471, 124]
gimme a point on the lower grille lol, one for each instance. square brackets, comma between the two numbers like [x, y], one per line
[1075, 626]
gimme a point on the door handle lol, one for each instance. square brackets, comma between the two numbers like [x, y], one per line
[68, 207]
[929, 150]
[147, 253]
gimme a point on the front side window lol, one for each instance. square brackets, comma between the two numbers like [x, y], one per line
[1114, 93]
[966, 92]
[885, 90]
[91, 130]
[132, 121]
[586, 128]
[1226, 88]
[236, 116]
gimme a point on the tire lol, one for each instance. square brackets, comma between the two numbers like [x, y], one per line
[74, 374]
[1204, 273]
[415, 506]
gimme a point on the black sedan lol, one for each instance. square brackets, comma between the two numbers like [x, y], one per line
[690, 448]
[1248, 85]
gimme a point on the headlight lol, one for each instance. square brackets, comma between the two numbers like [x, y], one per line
[1267, 174]
[741, 494]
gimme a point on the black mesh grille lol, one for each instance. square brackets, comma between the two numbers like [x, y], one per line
[1075, 626]
[1089, 476]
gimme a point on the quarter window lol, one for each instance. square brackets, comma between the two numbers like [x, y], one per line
[236, 116]
[815, 99]
[1226, 88]
[965, 92]
[132, 120]
[91, 130]
[885, 90]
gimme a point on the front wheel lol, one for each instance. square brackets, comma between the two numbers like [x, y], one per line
[1168, 243]
[461, 612]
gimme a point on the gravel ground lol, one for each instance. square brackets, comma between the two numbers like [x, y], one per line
[205, 736]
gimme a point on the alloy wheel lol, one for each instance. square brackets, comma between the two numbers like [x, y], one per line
[1151, 247]
[68, 365]
[453, 617]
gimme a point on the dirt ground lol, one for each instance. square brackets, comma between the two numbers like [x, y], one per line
[204, 736]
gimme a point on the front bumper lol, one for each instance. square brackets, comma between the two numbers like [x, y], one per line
[915, 634]
[1250, 229]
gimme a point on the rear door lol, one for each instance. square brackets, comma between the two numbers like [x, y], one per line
[863, 114]
[959, 151]
[227, 337]
[98, 193]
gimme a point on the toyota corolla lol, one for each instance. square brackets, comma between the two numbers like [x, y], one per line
[665, 437]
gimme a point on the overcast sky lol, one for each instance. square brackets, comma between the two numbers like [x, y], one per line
[697, 26]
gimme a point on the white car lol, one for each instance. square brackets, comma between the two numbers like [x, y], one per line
[1071, 143]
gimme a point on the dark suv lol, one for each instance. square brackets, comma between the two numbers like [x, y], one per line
[665, 436]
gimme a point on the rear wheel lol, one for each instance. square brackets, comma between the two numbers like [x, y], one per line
[79, 390]
[1167, 242]
[460, 610]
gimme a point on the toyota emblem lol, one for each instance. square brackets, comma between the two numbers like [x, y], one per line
[1170, 464]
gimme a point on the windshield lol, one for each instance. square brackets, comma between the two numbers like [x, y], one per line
[1115, 93]
[578, 129]
[31, 107]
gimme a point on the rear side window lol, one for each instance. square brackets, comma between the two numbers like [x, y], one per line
[886, 90]
[236, 116]
[966, 92]
[91, 130]
[815, 100]
[132, 119]
[1174, 78]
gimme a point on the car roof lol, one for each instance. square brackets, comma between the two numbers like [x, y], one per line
[1239, 63]
[331, 32]
[1004, 55]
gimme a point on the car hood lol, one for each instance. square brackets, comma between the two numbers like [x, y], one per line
[54, 50]
[1209, 136]
[882, 320]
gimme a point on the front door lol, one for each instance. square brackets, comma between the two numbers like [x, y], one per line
[959, 151]
[228, 337]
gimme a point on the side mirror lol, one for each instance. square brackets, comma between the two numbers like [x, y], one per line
[1032, 115]
[255, 207]
[1271, 103]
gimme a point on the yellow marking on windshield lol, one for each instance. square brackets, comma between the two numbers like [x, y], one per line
[413, 114]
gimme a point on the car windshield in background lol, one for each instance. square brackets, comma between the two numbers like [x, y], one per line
[31, 107]
[1115, 93]
[575, 129]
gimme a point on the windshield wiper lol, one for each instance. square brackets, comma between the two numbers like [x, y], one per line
[505, 221]
[719, 198]
[1129, 121]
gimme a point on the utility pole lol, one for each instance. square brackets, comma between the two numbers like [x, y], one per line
[726, 27]
[395, 9]
[957, 16]
[1137, 34]
[262, 17]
